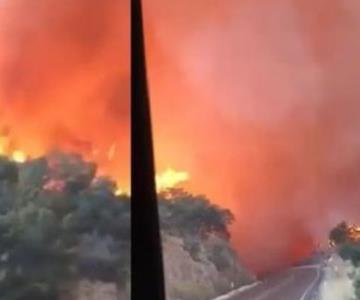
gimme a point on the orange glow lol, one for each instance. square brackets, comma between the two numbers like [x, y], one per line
[119, 192]
[170, 178]
[354, 232]
[18, 156]
[14, 154]
[258, 101]
[64, 81]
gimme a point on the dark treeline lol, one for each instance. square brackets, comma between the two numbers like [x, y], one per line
[58, 223]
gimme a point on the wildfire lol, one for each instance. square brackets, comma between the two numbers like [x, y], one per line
[354, 232]
[349, 233]
[170, 178]
[8, 150]
[120, 191]
[19, 156]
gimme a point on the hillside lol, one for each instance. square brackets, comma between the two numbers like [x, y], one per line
[65, 235]
[199, 261]
[60, 227]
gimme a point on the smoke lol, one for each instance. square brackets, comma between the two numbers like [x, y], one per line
[338, 282]
[258, 101]
[64, 78]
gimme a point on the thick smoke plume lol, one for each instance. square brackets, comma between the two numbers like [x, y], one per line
[259, 102]
[338, 280]
[64, 79]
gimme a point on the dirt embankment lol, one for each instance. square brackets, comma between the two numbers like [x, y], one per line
[214, 270]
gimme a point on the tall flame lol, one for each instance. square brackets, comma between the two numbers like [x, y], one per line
[167, 179]
[170, 178]
[7, 149]
[19, 156]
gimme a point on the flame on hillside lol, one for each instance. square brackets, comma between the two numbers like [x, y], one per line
[170, 178]
[8, 149]
[354, 232]
[66, 87]
[351, 232]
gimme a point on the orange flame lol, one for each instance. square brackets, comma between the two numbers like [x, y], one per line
[67, 88]
[170, 178]
[18, 156]
[6, 149]
[354, 232]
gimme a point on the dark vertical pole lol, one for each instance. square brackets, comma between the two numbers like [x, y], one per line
[147, 280]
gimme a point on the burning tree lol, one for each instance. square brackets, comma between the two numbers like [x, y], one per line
[346, 239]
[344, 233]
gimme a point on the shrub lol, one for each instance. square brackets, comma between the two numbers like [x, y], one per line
[47, 213]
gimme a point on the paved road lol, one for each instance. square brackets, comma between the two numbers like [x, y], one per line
[300, 283]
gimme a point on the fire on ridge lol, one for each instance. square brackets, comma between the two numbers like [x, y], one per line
[169, 178]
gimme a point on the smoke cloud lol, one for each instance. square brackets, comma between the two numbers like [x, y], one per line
[64, 78]
[259, 102]
[338, 280]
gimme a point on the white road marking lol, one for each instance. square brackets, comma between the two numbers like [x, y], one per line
[275, 288]
[270, 291]
[311, 286]
[237, 291]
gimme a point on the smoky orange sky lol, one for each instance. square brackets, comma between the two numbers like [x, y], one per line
[259, 102]
[64, 79]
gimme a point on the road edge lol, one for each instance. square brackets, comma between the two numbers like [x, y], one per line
[237, 291]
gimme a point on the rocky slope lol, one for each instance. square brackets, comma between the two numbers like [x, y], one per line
[214, 270]
[202, 277]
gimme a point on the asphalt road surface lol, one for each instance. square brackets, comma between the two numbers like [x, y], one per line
[299, 283]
